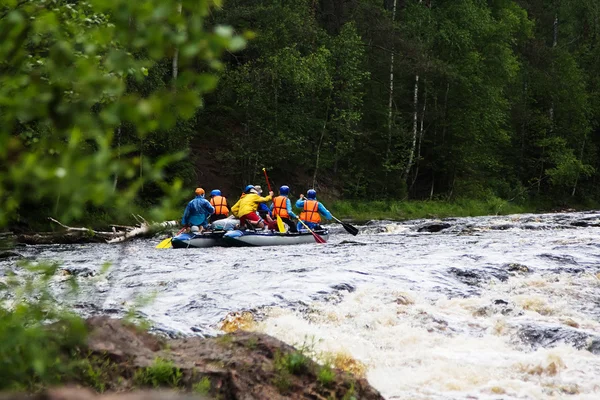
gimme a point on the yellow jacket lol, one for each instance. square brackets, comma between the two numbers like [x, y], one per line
[248, 204]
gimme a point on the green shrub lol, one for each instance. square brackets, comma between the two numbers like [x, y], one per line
[325, 375]
[160, 373]
[37, 338]
[202, 387]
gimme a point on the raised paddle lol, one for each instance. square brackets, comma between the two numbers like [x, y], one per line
[280, 225]
[318, 238]
[349, 228]
[165, 244]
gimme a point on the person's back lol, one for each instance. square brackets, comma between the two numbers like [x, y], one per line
[282, 208]
[197, 211]
[247, 205]
[219, 202]
[312, 210]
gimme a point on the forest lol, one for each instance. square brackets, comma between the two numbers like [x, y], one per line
[104, 104]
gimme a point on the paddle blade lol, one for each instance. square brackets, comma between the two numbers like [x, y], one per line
[165, 244]
[350, 229]
[280, 224]
[318, 238]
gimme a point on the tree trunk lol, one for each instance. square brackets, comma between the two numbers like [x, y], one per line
[176, 55]
[421, 133]
[578, 174]
[321, 139]
[116, 180]
[415, 123]
[551, 111]
[391, 93]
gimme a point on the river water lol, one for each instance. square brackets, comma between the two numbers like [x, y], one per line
[487, 308]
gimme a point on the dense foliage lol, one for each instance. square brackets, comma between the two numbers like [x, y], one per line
[411, 99]
[362, 99]
[92, 94]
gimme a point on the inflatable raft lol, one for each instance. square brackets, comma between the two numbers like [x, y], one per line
[191, 240]
[210, 238]
[269, 238]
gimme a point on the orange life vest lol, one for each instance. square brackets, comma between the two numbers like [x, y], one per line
[220, 205]
[310, 212]
[280, 207]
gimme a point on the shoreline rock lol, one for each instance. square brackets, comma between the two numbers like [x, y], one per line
[125, 360]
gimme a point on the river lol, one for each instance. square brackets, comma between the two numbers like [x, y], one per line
[501, 307]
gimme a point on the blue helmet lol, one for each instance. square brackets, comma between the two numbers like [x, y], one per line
[311, 194]
[248, 188]
[284, 190]
[215, 192]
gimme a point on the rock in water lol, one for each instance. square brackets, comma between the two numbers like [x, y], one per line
[433, 227]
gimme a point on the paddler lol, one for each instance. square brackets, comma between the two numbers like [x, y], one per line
[282, 207]
[311, 210]
[197, 212]
[245, 208]
[219, 202]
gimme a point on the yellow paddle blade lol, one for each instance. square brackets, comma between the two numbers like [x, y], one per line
[165, 244]
[280, 224]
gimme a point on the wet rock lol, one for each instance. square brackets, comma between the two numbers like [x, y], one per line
[502, 227]
[551, 336]
[83, 272]
[344, 286]
[582, 224]
[594, 346]
[562, 259]
[9, 254]
[239, 365]
[468, 277]
[517, 268]
[433, 227]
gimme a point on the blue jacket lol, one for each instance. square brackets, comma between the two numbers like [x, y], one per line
[289, 208]
[322, 210]
[197, 212]
[263, 207]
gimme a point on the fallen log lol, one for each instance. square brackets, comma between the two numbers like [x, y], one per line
[76, 235]
[143, 230]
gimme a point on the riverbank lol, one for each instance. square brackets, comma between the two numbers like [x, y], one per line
[110, 355]
[359, 210]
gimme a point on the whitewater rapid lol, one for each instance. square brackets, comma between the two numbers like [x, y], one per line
[466, 308]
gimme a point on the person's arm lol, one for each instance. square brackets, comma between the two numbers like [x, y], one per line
[266, 198]
[209, 207]
[300, 203]
[323, 211]
[289, 209]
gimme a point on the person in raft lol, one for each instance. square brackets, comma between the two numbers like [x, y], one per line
[245, 208]
[311, 210]
[282, 207]
[220, 204]
[264, 211]
[197, 212]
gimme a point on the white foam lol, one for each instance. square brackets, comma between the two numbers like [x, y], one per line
[423, 349]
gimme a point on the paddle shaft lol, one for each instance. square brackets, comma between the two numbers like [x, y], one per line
[267, 178]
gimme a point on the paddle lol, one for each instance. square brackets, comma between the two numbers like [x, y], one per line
[280, 225]
[165, 244]
[318, 238]
[349, 228]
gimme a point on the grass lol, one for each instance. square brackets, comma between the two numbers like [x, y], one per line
[160, 373]
[403, 210]
[325, 375]
[202, 387]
